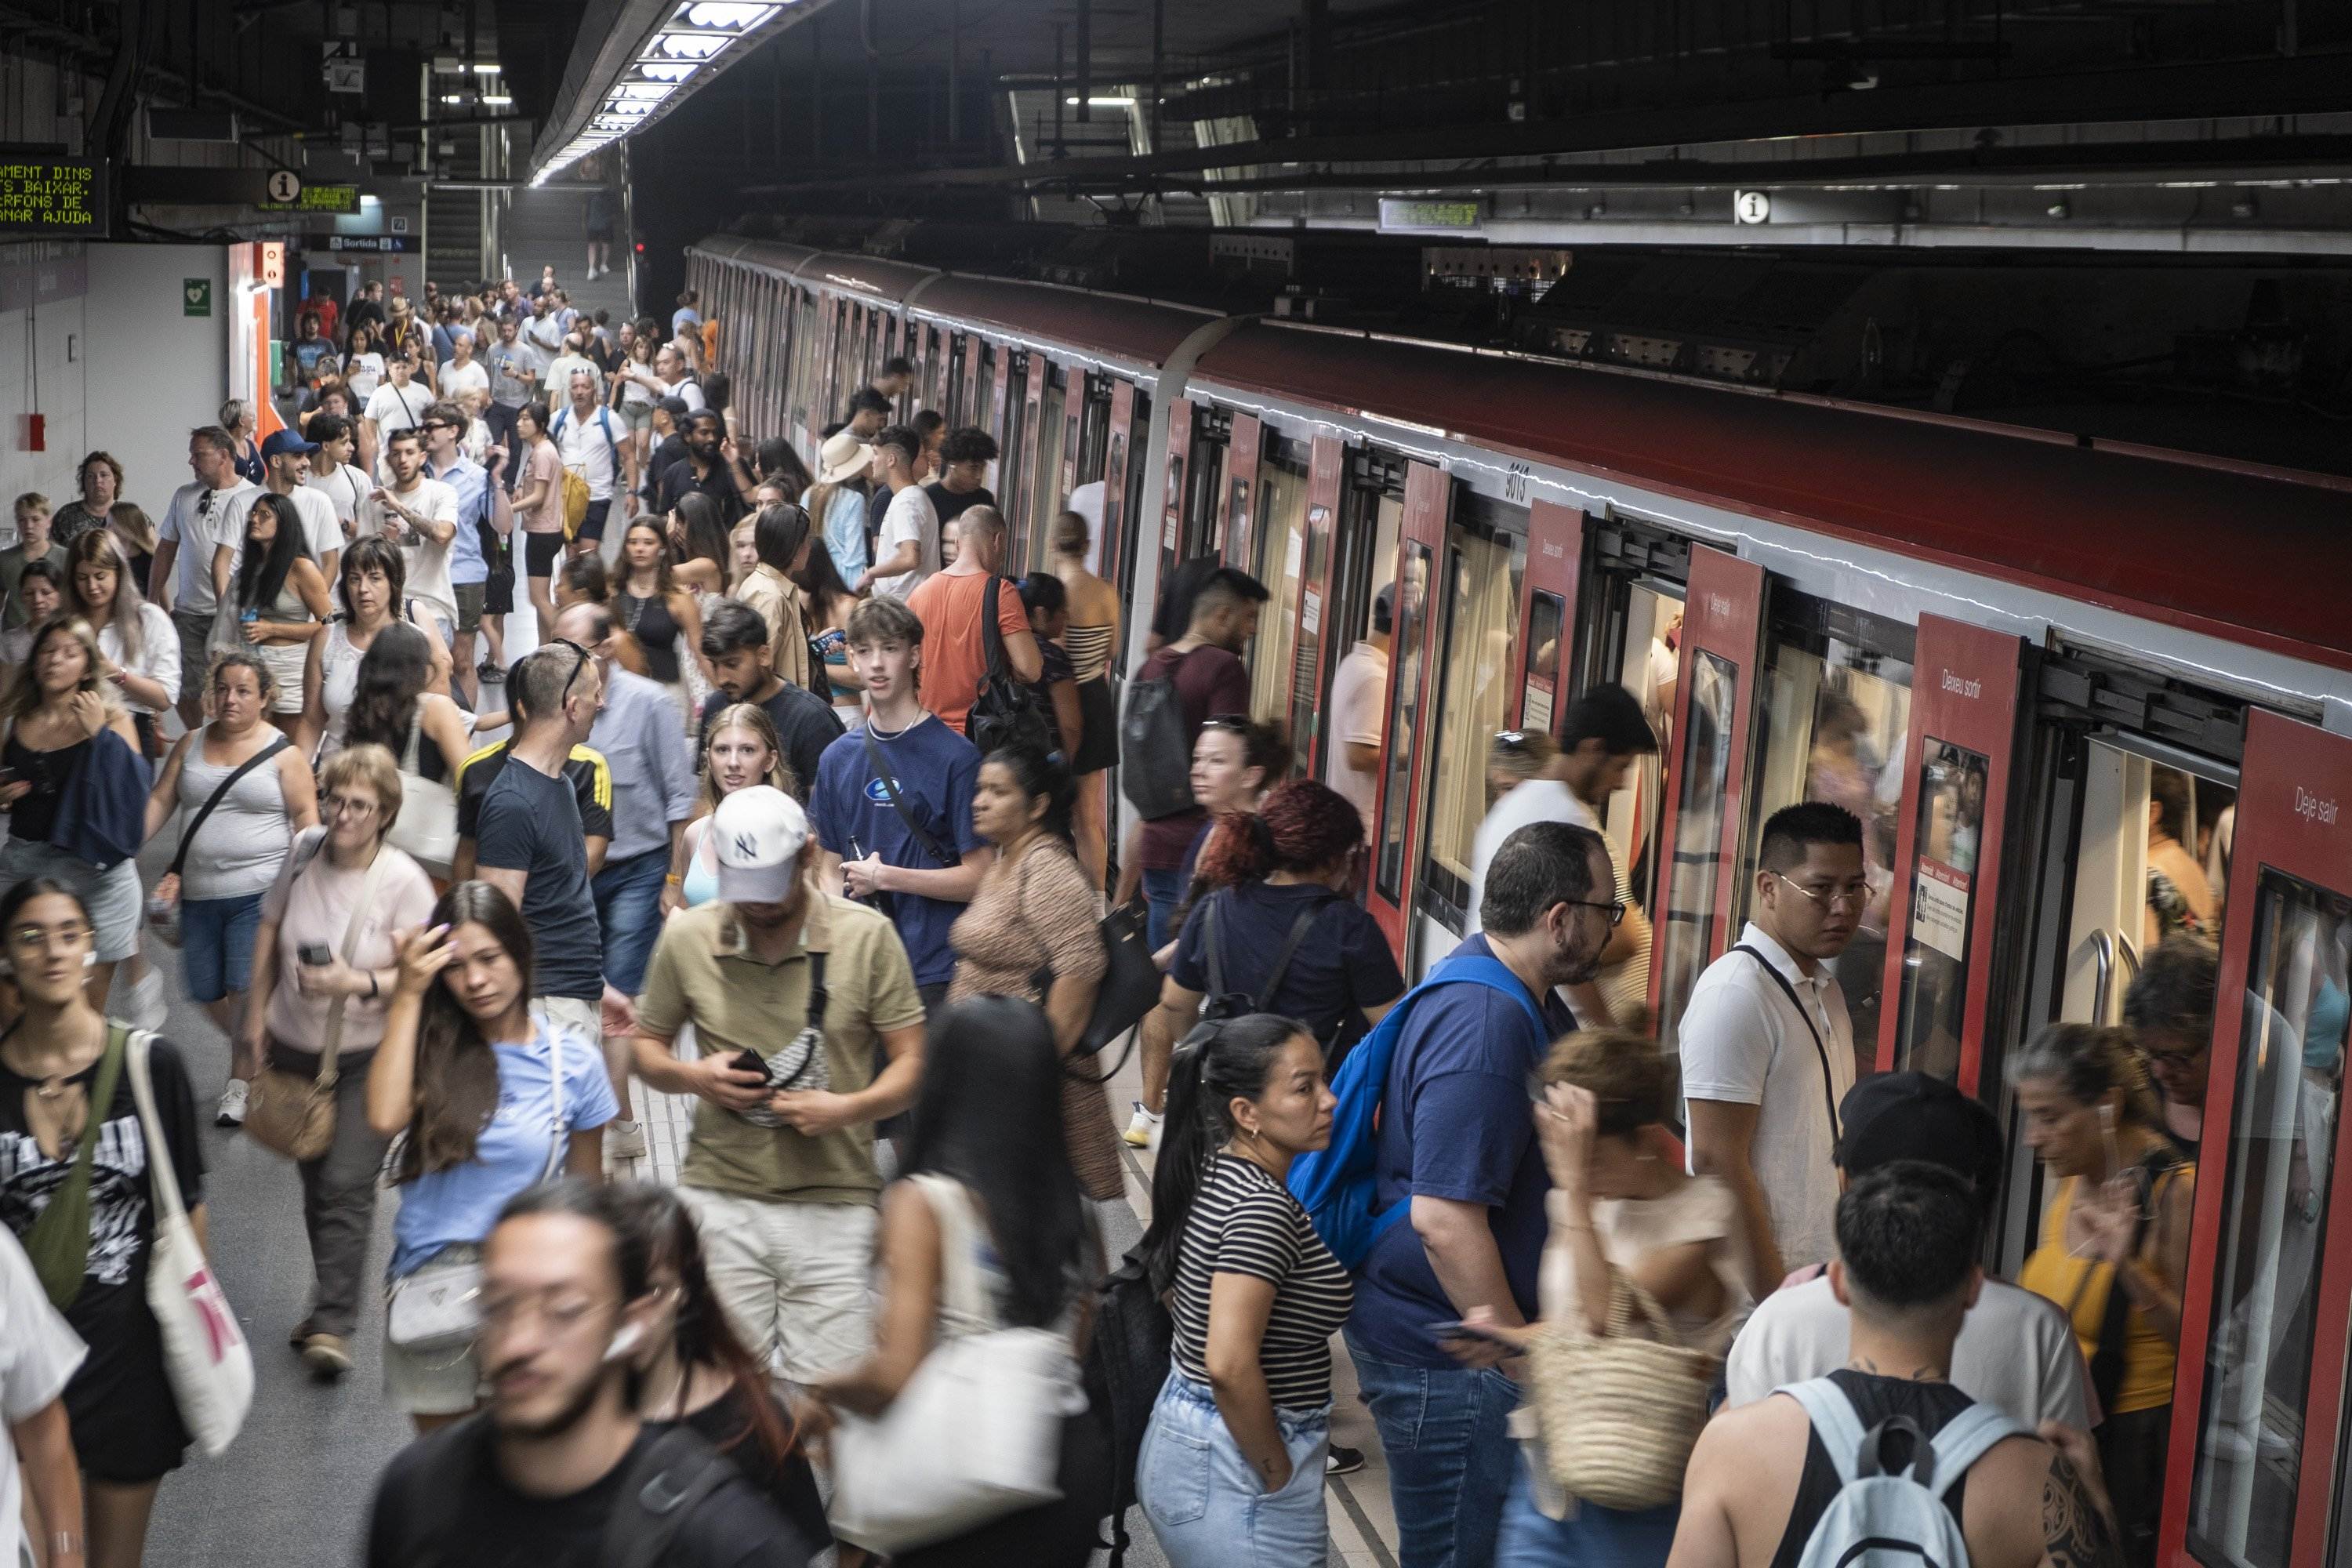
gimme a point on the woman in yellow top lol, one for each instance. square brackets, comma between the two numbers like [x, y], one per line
[2114, 1250]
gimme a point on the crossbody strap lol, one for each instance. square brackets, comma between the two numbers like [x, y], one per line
[196, 748]
[555, 1084]
[330, 1044]
[991, 638]
[897, 804]
[1829, 1086]
[1298, 930]
[165, 1177]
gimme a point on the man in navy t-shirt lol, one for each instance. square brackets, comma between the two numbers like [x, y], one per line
[1458, 1142]
[916, 858]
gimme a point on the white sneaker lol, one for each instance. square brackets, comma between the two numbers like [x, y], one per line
[1142, 1128]
[625, 1140]
[232, 1105]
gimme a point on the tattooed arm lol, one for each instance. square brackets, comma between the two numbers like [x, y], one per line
[2078, 1529]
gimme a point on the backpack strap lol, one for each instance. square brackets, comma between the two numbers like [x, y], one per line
[660, 1492]
[1964, 1440]
[1298, 930]
[1494, 973]
[897, 802]
[1835, 1423]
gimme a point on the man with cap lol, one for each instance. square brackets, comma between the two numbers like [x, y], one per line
[842, 471]
[779, 1168]
[286, 469]
[2015, 1351]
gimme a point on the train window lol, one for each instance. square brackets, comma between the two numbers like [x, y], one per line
[2241, 1504]
[1130, 456]
[1013, 469]
[1703, 767]
[804, 354]
[1952, 781]
[1305, 677]
[1482, 629]
[1281, 565]
[983, 414]
[1835, 708]
[1547, 615]
[1045, 484]
[1403, 713]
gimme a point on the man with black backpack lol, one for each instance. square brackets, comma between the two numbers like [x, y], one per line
[560, 1471]
[1866, 1466]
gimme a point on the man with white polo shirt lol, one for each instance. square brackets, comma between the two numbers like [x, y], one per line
[593, 442]
[1768, 1049]
[202, 514]
[420, 515]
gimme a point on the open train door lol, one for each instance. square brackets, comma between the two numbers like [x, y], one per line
[1237, 508]
[2258, 1404]
[1715, 704]
[1546, 614]
[1948, 850]
[1319, 627]
[1180, 477]
[1412, 654]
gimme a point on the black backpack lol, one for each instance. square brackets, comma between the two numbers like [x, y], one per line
[1126, 1360]
[1007, 710]
[1155, 745]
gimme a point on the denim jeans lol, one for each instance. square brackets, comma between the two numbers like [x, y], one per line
[1206, 1503]
[1589, 1537]
[1162, 891]
[628, 905]
[1450, 1454]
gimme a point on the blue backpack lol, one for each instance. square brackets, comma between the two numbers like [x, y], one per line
[1337, 1186]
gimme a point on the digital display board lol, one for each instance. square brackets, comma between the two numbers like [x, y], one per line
[52, 197]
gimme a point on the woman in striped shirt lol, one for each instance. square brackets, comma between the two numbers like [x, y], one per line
[1231, 1468]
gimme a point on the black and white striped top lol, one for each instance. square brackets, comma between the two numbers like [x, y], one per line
[1245, 1222]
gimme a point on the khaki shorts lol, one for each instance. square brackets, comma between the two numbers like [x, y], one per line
[795, 1280]
[470, 597]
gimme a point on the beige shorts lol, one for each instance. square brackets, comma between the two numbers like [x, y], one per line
[796, 1280]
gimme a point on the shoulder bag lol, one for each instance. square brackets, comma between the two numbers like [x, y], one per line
[976, 1433]
[285, 1112]
[1005, 711]
[170, 930]
[1618, 1411]
[58, 1243]
[205, 1352]
[1829, 1084]
[1128, 990]
[427, 827]
[436, 1309]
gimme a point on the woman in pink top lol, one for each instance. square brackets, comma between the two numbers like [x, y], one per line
[538, 502]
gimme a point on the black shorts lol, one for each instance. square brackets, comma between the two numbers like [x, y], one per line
[540, 552]
[593, 525]
[599, 234]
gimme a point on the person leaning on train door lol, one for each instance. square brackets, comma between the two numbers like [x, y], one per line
[1768, 1046]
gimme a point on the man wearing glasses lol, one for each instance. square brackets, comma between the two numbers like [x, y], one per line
[1768, 1049]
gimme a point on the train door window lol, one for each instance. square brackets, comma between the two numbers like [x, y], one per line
[1954, 782]
[1703, 772]
[1405, 689]
[1281, 565]
[983, 413]
[1094, 429]
[804, 353]
[1013, 467]
[1204, 494]
[1836, 706]
[1045, 484]
[1481, 631]
[1131, 461]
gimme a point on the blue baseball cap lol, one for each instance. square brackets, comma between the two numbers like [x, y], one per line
[281, 442]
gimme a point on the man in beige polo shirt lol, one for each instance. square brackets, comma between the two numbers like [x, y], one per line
[779, 1168]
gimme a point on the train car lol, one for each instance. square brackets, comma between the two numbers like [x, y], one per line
[1999, 647]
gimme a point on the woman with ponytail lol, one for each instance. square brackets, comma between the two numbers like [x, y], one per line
[1232, 1464]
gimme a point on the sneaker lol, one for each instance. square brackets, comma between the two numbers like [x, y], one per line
[328, 1356]
[232, 1105]
[1342, 1460]
[489, 672]
[626, 1140]
[1142, 1128]
[302, 1332]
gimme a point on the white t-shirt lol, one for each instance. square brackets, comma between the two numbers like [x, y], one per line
[363, 373]
[587, 446]
[1743, 1043]
[1360, 695]
[159, 654]
[398, 408]
[322, 531]
[455, 380]
[346, 489]
[38, 1356]
[911, 516]
[428, 562]
[1537, 800]
[560, 372]
[545, 333]
[2015, 1351]
[689, 392]
[197, 521]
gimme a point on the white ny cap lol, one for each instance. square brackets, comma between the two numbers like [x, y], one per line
[758, 832]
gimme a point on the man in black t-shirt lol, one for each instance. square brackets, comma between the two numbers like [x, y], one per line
[565, 1309]
[743, 668]
[964, 456]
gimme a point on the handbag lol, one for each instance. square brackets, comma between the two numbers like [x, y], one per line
[58, 1243]
[1618, 1411]
[1006, 711]
[427, 827]
[290, 1114]
[1130, 989]
[205, 1352]
[975, 1433]
[170, 929]
[435, 1308]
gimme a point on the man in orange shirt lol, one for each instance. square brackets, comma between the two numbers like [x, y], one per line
[952, 604]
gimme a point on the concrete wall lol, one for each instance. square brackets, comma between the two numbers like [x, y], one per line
[44, 360]
[155, 372]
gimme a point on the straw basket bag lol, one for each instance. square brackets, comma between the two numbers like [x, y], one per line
[1618, 1411]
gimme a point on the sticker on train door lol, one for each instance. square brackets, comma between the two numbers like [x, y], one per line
[1546, 612]
[1180, 448]
[1241, 487]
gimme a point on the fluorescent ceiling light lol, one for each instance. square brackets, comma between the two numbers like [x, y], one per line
[453, 98]
[644, 92]
[489, 69]
[1104, 103]
[498, 99]
[449, 65]
[731, 15]
[669, 70]
[685, 46]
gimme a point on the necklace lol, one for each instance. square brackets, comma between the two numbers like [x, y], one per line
[879, 733]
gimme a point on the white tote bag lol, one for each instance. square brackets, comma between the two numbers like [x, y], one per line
[427, 827]
[977, 1432]
[205, 1352]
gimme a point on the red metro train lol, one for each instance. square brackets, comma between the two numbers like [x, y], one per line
[1994, 644]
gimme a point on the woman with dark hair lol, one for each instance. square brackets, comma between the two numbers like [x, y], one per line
[282, 600]
[372, 587]
[698, 543]
[41, 590]
[657, 609]
[1232, 1464]
[583, 579]
[781, 536]
[1089, 633]
[780, 465]
[1033, 917]
[987, 1195]
[696, 1373]
[100, 508]
[826, 603]
[1047, 604]
[490, 1100]
[64, 1085]
[392, 708]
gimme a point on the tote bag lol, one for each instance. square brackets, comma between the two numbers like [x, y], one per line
[205, 1352]
[427, 827]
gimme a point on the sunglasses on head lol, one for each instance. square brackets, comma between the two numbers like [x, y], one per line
[1232, 723]
[574, 679]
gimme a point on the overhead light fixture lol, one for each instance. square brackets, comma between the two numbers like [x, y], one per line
[490, 69]
[499, 99]
[453, 98]
[445, 64]
[1103, 102]
[643, 92]
[732, 16]
[669, 70]
[684, 46]
[688, 36]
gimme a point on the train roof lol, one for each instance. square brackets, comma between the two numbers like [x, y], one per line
[1141, 331]
[2257, 557]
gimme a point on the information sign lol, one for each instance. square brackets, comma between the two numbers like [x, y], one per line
[47, 195]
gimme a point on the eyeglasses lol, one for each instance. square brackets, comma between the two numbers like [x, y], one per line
[351, 804]
[1616, 908]
[1851, 897]
[34, 939]
[2172, 1059]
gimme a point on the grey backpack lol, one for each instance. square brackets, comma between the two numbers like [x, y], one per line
[1885, 1519]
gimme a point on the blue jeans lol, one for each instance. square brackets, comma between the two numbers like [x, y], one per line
[1451, 1458]
[1162, 890]
[1589, 1537]
[216, 945]
[1205, 1501]
[628, 907]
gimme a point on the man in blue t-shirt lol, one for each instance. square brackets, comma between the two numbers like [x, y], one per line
[1458, 1142]
[915, 858]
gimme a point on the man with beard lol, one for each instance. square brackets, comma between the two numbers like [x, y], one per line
[560, 1470]
[1456, 1162]
[713, 466]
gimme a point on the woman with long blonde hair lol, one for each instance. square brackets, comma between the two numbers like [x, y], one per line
[740, 750]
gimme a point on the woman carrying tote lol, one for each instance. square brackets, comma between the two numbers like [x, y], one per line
[743, 750]
[240, 792]
[65, 1094]
[393, 707]
[373, 585]
[1621, 1207]
[1034, 918]
[1232, 1470]
[491, 1101]
[984, 1231]
[324, 969]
